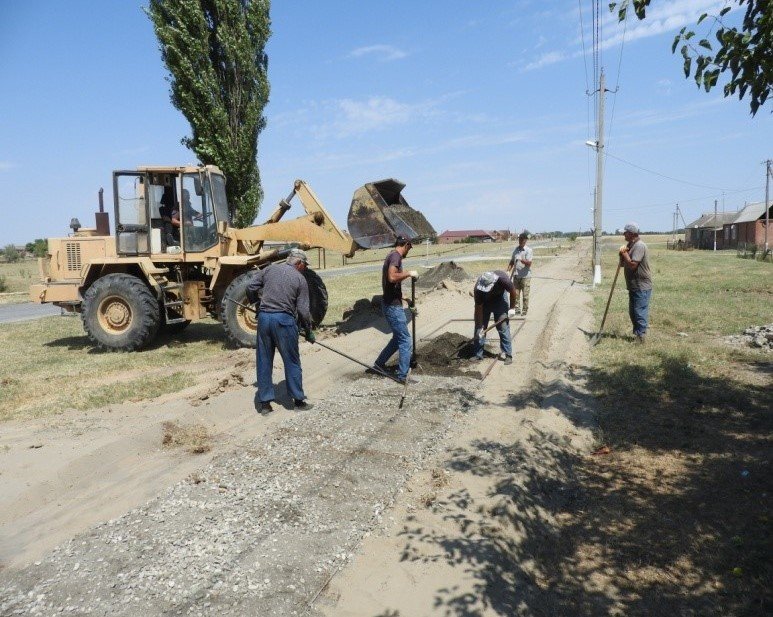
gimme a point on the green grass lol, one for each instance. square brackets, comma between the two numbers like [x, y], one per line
[49, 365]
[684, 493]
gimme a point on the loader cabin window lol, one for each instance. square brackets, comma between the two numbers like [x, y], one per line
[197, 213]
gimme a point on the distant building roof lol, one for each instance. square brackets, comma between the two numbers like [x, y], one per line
[709, 220]
[750, 213]
[465, 233]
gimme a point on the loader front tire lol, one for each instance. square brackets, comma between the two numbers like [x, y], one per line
[120, 313]
[241, 325]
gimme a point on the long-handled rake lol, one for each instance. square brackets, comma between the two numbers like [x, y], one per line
[597, 337]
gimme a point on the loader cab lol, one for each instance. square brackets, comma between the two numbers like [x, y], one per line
[168, 210]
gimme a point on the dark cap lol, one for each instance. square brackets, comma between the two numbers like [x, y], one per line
[523, 235]
[402, 241]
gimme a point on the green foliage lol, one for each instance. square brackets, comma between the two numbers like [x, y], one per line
[214, 51]
[11, 254]
[745, 55]
[3, 284]
[38, 248]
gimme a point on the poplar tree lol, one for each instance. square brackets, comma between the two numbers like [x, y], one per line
[214, 51]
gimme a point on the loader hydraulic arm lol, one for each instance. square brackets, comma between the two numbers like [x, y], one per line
[315, 229]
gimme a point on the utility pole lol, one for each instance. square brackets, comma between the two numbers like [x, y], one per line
[597, 225]
[715, 225]
[767, 204]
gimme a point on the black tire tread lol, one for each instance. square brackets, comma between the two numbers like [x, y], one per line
[147, 319]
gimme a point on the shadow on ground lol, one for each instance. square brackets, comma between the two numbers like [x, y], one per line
[674, 521]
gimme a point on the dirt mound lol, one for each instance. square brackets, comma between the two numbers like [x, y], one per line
[448, 354]
[446, 271]
[360, 316]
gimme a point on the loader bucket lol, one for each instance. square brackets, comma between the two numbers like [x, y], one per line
[379, 213]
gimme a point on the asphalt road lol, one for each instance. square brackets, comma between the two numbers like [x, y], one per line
[10, 313]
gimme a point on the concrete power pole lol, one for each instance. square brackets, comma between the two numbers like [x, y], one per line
[767, 204]
[597, 225]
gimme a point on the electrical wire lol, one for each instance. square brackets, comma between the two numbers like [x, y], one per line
[703, 186]
[670, 204]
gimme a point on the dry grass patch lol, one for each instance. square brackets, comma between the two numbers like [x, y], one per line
[194, 438]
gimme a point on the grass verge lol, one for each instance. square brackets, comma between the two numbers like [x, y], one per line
[679, 511]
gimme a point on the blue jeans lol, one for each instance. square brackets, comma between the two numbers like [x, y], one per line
[639, 310]
[400, 341]
[278, 331]
[498, 308]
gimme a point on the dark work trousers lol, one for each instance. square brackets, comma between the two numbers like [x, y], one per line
[498, 308]
[278, 331]
[639, 309]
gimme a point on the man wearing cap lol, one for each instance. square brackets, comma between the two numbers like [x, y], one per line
[520, 269]
[489, 294]
[392, 276]
[634, 258]
[283, 293]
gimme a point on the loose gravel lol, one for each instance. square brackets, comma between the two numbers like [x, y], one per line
[259, 531]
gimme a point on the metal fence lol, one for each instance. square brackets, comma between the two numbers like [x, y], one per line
[749, 250]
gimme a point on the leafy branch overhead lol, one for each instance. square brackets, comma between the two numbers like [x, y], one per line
[214, 51]
[744, 56]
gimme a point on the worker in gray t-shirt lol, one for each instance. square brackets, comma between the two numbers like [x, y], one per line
[520, 269]
[634, 258]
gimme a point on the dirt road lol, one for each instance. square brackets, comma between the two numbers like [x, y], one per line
[356, 508]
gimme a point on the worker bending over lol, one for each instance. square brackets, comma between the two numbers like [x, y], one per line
[490, 300]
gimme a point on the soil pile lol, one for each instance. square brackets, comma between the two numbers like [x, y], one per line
[446, 271]
[360, 316]
[759, 337]
[448, 354]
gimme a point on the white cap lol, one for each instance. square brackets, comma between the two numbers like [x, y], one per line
[631, 228]
[297, 255]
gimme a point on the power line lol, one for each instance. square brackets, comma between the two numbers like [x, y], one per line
[656, 173]
[682, 201]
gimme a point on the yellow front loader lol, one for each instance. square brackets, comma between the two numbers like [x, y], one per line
[174, 257]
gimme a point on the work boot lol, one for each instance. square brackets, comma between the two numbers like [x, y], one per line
[410, 380]
[374, 370]
[640, 339]
[508, 360]
[302, 405]
[266, 408]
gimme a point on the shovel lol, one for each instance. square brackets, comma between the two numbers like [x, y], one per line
[491, 327]
[597, 337]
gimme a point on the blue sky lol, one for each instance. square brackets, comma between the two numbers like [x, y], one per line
[479, 108]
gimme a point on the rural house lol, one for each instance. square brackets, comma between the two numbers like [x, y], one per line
[702, 231]
[747, 227]
[465, 235]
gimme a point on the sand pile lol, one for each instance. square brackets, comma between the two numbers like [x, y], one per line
[448, 354]
[446, 271]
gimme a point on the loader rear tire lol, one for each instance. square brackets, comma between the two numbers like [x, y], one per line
[120, 313]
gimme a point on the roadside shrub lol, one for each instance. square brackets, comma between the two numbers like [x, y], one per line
[3, 284]
[11, 254]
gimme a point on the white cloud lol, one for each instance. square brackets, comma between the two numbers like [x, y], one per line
[668, 16]
[661, 18]
[545, 60]
[384, 53]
